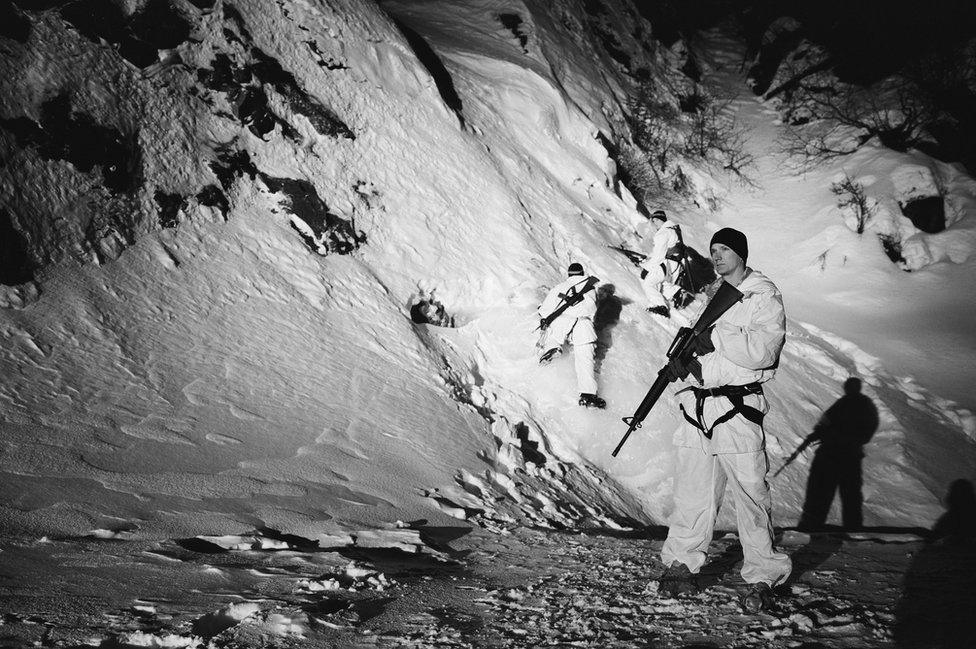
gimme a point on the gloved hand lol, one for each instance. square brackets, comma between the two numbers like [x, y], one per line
[543, 325]
[703, 342]
[677, 371]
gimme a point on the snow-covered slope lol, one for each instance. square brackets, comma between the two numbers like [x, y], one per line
[222, 338]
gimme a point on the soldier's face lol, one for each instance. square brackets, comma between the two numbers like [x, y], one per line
[725, 259]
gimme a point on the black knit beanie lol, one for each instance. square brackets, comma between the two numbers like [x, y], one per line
[575, 268]
[659, 214]
[734, 240]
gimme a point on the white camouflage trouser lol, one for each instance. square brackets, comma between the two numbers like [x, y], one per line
[556, 335]
[699, 486]
[585, 367]
[659, 287]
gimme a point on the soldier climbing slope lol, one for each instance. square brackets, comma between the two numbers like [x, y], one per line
[568, 312]
[659, 271]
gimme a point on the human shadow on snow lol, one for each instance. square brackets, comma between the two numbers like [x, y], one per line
[843, 430]
[608, 308]
[938, 600]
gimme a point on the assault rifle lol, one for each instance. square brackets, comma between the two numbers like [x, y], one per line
[571, 298]
[810, 439]
[682, 349]
[635, 257]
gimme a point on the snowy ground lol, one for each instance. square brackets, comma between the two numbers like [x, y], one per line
[464, 587]
[201, 435]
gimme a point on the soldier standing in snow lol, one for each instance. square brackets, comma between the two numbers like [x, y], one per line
[722, 440]
[662, 266]
[559, 322]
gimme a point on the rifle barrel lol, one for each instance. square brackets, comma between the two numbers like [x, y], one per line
[653, 394]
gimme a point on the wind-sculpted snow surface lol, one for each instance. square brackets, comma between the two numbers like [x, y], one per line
[222, 353]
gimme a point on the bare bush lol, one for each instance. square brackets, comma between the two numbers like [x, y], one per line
[700, 128]
[850, 195]
[841, 118]
[639, 174]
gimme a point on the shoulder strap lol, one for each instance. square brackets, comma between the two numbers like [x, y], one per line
[571, 297]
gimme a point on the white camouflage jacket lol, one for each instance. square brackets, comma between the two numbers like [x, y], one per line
[577, 319]
[748, 339]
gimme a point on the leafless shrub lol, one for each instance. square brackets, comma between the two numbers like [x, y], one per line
[699, 128]
[841, 118]
[850, 195]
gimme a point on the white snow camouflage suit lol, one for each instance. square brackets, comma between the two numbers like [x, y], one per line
[748, 339]
[658, 284]
[575, 322]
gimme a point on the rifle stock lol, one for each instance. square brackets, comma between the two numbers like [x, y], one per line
[683, 349]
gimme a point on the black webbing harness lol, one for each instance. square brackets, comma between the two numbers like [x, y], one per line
[735, 394]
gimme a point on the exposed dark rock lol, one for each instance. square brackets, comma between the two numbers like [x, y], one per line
[138, 52]
[231, 165]
[79, 140]
[246, 85]
[513, 23]
[224, 76]
[427, 310]
[612, 45]
[892, 247]
[253, 111]
[428, 57]
[329, 64]
[232, 14]
[248, 98]
[212, 196]
[157, 26]
[39, 5]
[926, 213]
[169, 208]
[771, 56]
[96, 19]
[16, 266]
[664, 20]
[268, 70]
[322, 231]
[691, 69]
[623, 172]
[594, 7]
[13, 23]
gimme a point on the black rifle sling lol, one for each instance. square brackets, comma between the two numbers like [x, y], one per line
[571, 298]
